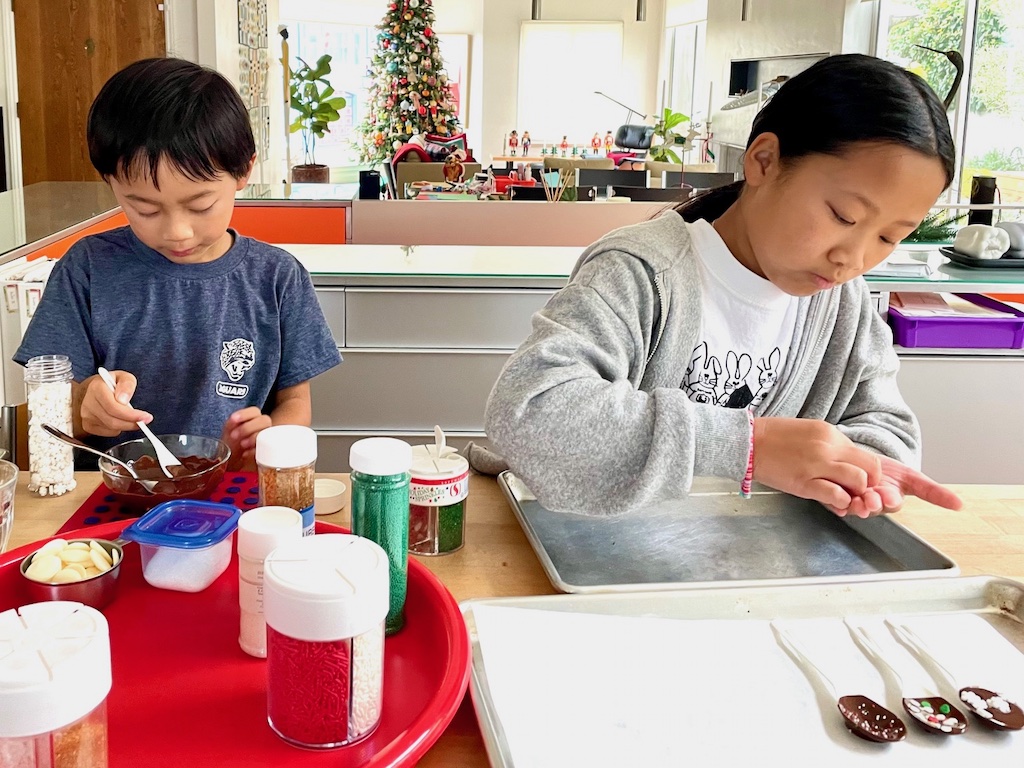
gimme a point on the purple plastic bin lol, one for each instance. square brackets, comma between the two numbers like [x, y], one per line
[978, 332]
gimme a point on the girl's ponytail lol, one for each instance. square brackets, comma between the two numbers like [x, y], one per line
[711, 203]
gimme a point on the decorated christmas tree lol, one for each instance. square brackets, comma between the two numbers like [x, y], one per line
[409, 90]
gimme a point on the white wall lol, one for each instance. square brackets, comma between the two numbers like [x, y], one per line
[642, 42]
[777, 28]
[685, 11]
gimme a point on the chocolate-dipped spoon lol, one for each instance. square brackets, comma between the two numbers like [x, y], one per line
[991, 708]
[864, 717]
[933, 713]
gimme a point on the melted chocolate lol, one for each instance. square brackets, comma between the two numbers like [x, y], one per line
[992, 709]
[192, 479]
[936, 715]
[870, 720]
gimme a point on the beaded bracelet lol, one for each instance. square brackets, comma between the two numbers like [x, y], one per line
[748, 478]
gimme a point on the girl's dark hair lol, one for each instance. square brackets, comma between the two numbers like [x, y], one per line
[839, 101]
[169, 108]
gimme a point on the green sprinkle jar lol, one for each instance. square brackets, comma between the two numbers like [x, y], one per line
[437, 500]
[380, 510]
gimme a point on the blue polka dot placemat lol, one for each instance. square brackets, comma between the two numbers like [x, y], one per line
[241, 489]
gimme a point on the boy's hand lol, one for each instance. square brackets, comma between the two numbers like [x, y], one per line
[814, 460]
[105, 413]
[898, 482]
[239, 433]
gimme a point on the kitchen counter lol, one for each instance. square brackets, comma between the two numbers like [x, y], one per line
[987, 537]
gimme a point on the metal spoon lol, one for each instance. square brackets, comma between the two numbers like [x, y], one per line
[933, 713]
[991, 708]
[74, 442]
[864, 717]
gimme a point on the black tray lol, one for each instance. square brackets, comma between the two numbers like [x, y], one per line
[1007, 262]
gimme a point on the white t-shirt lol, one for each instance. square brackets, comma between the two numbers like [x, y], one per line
[747, 327]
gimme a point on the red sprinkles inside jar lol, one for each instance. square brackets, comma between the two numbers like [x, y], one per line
[308, 689]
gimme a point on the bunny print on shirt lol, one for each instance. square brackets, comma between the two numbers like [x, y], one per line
[736, 385]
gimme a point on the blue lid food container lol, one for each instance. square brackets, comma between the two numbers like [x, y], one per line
[185, 544]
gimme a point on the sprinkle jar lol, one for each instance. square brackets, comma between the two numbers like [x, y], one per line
[437, 500]
[324, 599]
[55, 676]
[286, 463]
[380, 509]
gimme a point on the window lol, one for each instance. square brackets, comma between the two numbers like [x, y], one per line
[989, 112]
[561, 66]
[350, 47]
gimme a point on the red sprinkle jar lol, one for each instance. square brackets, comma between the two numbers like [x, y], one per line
[325, 599]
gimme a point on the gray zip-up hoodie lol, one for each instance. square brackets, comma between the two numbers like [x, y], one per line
[589, 411]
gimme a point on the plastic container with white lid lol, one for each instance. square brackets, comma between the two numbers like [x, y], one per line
[437, 500]
[54, 680]
[184, 544]
[325, 598]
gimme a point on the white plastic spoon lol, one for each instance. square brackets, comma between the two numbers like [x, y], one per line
[864, 717]
[163, 453]
[933, 713]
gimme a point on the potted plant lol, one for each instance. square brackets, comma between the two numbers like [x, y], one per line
[668, 139]
[312, 97]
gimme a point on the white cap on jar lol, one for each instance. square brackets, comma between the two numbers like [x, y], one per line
[264, 529]
[288, 445]
[380, 456]
[326, 587]
[54, 666]
[427, 464]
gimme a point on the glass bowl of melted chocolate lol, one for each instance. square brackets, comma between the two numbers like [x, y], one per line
[203, 463]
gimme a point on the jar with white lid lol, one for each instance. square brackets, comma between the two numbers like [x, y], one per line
[286, 463]
[54, 680]
[324, 600]
[437, 500]
[260, 532]
[48, 390]
[380, 509]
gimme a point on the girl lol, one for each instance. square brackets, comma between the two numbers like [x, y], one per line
[731, 336]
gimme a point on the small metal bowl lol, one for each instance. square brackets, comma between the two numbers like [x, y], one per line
[96, 592]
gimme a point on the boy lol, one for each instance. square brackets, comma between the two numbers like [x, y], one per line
[223, 332]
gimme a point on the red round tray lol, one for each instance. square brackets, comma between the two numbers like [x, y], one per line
[185, 694]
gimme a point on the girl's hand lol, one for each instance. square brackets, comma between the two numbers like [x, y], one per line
[814, 460]
[898, 482]
[239, 433]
[105, 413]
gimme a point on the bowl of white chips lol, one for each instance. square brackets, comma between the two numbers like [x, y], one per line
[80, 570]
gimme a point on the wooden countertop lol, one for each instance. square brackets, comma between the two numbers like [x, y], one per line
[987, 537]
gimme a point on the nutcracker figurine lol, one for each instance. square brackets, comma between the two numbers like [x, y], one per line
[595, 143]
[564, 146]
[526, 143]
[513, 143]
[609, 142]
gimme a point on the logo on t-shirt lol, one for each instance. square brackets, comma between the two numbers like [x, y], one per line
[236, 357]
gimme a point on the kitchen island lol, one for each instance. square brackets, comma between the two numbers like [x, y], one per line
[986, 537]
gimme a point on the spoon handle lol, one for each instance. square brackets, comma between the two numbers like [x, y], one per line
[163, 454]
[793, 647]
[910, 638]
[871, 649]
[74, 442]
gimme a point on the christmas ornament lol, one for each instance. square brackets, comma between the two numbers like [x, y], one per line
[428, 32]
[414, 58]
[408, 17]
[397, 144]
[414, 3]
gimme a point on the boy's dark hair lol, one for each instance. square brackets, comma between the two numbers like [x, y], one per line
[169, 108]
[839, 101]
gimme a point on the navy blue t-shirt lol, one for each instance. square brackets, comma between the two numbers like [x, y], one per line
[203, 339]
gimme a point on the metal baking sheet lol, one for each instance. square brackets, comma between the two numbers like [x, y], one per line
[998, 601]
[714, 537]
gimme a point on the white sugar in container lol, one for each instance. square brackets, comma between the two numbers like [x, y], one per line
[325, 598]
[54, 681]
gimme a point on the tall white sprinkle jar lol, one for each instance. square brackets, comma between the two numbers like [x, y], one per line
[54, 680]
[260, 532]
[48, 388]
[325, 598]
